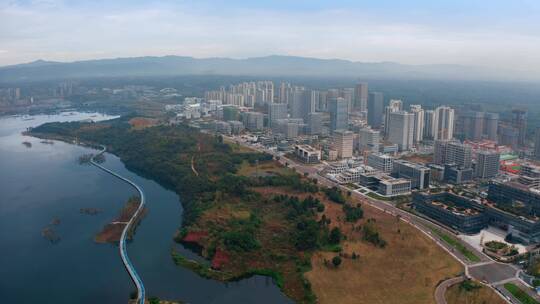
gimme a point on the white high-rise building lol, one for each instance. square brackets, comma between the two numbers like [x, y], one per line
[418, 133]
[444, 123]
[401, 129]
[361, 96]
[369, 140]
[343, 143]
[395, 105]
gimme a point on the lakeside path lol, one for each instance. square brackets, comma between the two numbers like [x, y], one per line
[141, 293]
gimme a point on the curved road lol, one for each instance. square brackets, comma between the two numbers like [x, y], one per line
[441, 289]
[141, 293]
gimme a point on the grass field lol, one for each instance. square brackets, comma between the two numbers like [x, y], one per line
[406, 271]
[264, 168]
[521, 295]
[457, 245]
[481, 295]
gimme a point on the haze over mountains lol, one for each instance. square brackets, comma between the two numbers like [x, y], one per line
[259, 66]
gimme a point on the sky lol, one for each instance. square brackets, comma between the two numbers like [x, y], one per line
[492, 33]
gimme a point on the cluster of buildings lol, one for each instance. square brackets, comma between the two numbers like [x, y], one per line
[512, 206]
[362, 140]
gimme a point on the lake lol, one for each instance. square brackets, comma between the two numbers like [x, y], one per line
[42, 186]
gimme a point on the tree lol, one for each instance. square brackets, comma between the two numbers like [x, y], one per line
[335, 236]
[336, 261]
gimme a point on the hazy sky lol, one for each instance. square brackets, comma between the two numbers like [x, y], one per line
[502, 34]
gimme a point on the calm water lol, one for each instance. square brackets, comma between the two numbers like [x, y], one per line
[43, 183]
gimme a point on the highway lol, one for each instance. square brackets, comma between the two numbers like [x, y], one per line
[141, 293]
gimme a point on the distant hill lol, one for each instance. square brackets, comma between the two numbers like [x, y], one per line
[259, 66]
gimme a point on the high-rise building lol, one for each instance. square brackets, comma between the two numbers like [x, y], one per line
[491, 126]
[429, 124]
[509, 136]
[276, 111]
[348, 95]
[361, 96]
[253, 121]
[297, 102]
[339, 115]
[369, 140]
[230, 113]
[395, 105]
[375, 110]
[444, 123]
[519, 121]
[537, 144]
[401, 129]
[487, 164]
[314, 123]
[452, 152]
[418, 132]
[343, 143]
[473, 125]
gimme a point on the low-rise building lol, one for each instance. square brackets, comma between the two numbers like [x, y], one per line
[389, 186]
[452, 210]
[457, 175]
[307, 154]
[381, 162]
[354, 175]
[416, 173]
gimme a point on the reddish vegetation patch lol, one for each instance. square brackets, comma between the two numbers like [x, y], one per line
[220, 259]
[195, 236]
[141, 122]
[111, 232]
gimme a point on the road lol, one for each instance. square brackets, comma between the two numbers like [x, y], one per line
[141, 293]
[440, 291]
[487, 271]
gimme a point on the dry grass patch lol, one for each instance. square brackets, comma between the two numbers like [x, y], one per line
[139, 123]
[263, 169]
[407, 270]
[482, 295]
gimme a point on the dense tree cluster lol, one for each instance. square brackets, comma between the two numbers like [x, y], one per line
[335, 195]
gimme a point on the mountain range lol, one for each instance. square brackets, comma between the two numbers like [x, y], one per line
[274, 66]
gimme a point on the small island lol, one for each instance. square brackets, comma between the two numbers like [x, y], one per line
[112, 232]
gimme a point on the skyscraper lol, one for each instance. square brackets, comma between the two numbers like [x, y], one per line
[491, 126]
[297, 100]
[418, 133]
[473, 125]
[487, 164]
[369, 140]
[339, 116]
[361, 96]
[375, 109]
[452, 152]
[314, 123]
[343, 143]
[348, 95]
[276, 111]
[444, 123]
[519, 121]
[394, 106]
[429, 126]
[401, 129]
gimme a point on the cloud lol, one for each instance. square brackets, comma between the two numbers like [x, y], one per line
[65, 31]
